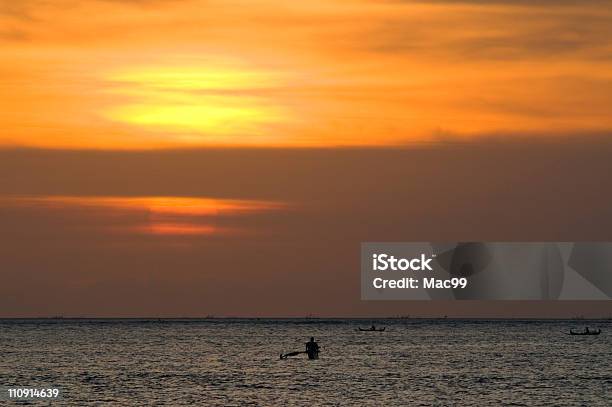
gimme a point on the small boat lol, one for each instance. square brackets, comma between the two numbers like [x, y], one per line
[372, 329]
[312, 354]
[587, 332]
[286, 355]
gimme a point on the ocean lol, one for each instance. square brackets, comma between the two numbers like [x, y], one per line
[236, 362]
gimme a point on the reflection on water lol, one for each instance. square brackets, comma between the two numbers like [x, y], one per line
[164, 215]
[417, 362]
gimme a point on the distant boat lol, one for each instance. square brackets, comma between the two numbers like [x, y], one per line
[587, 332]
[372, 329]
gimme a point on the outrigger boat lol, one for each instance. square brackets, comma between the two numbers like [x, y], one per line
[585, 332]
[312, 354]
[312, 350]
[373, 329]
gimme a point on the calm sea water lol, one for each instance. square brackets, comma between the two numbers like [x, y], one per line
[236, 362]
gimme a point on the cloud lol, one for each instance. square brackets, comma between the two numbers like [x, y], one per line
[508, 188]
[20, 10]
[473, 30]
[346, 73]
[517, 3]
[13, 35]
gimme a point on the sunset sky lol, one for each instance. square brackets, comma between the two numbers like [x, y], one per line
[155, 73]
[186, 158]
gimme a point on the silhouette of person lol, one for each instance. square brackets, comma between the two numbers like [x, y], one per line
[312, 349]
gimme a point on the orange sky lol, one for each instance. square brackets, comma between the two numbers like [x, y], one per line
[155, 73]
[115, 207]
[163, 215]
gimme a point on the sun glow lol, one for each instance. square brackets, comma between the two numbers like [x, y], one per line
[202, 103]
[200, 73]
[193, 78]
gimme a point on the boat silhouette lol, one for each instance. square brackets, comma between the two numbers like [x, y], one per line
[585, 332]
[372, 329]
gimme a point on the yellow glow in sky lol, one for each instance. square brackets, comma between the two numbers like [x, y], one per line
[210, 115]
[193, 78]
[196, 100]
[156, 74]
